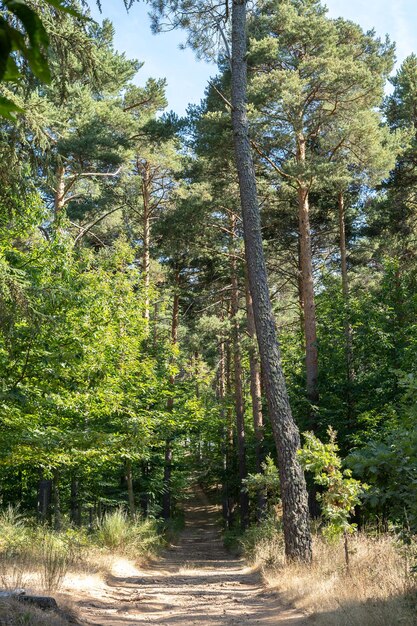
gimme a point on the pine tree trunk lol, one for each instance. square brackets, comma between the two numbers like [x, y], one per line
[146, 258]
[307, 284]
[230, 444]
[221, 386]
[130, 492]
[167, 495]
[256, 397]
[238, 387]
[350, 372]
[293, 489]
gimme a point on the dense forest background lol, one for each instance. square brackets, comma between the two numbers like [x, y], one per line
[128, 354]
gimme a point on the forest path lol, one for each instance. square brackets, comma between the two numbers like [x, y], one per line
[194, 582]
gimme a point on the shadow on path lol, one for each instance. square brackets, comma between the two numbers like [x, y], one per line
[194, 582]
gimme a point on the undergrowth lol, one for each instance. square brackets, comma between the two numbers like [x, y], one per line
[15, 613]
[378, 589]
[36, 556]
[119, 533]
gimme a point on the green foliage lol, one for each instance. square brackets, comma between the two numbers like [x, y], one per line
[341, 492]
[265, 483]
[109, 208]
[118, 533]
[263, 543]
[27, 549]
[388, 463]
[30, 40]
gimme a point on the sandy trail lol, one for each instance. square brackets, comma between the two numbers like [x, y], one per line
[195, 582]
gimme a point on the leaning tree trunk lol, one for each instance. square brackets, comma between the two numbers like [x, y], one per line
[307, 285]
[238, 387]
[293, 488]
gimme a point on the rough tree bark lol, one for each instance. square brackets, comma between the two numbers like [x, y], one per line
[293, 488]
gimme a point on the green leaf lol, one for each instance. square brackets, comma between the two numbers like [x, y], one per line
[8, 109]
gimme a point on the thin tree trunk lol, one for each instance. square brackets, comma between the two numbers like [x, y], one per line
[130, 492]
[256, 396]
[221, 386]
[44, 500]
[144, 497]
[75, 502]
[57, 501]
[350, 372]
[155, 324]
[300, 296]
[238, 388]
[230, 456]
[307, 284]
[146, 258]
[293, 488]
[167, 495]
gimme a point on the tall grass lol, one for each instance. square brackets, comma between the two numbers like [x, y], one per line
[378, 589]
[33, 555]
[14, 613]
[118, 532]
[15, 544]
[55, 560]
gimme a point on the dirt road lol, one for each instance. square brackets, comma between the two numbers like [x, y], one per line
[196, 582]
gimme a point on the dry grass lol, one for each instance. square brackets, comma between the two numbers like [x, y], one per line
[36, 557]
[43, 561]
[378, 589]
[15, 613]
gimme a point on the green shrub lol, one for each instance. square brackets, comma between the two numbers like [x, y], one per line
[113, 530]
[263, 544]
[119, 533]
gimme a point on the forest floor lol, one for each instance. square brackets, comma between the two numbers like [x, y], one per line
[196, 581]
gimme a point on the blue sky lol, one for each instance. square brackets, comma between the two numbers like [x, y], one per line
[187, 77]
